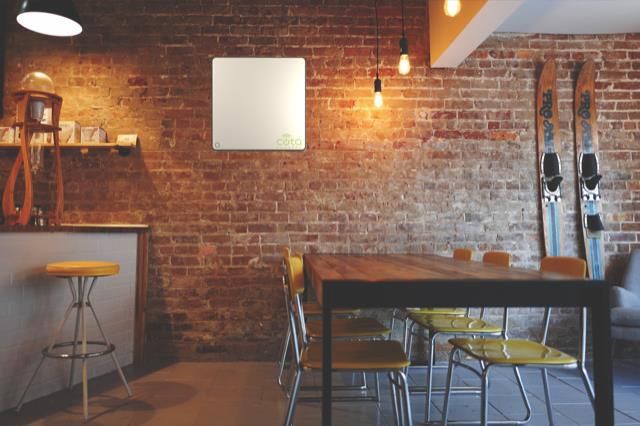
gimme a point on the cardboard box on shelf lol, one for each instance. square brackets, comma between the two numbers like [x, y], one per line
[93, 135]
[8, 135]
[39, 138]
[70, 132]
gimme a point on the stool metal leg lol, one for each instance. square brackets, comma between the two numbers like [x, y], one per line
[113, 354]
[85, 384]
[76, 329]
[53, 341]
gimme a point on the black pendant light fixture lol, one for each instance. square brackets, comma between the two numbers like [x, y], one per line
[50, 17]
[377, 83]
[404, 66]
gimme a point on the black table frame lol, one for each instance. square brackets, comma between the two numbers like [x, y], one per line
[443, 293]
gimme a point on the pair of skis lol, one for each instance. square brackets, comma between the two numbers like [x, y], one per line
[586, 133]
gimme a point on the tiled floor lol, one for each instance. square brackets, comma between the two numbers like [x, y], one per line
[245, 394]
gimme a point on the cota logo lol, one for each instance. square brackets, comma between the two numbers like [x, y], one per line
[286, 141]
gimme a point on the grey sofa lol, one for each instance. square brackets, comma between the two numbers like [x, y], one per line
[625, 309]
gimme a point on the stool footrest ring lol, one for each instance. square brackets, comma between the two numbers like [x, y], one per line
[109, 347]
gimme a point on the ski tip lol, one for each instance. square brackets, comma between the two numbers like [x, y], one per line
[548, 74]
[588, 68]
[549, 65]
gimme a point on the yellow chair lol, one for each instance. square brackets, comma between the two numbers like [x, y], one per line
[310, 309]
[438, 326]
[367, 356]
[463, 254]
[351, 328]
[523, 353]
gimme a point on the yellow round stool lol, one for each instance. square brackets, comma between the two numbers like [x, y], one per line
[81, 290]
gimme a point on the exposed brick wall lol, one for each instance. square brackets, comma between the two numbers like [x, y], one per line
[449, 161]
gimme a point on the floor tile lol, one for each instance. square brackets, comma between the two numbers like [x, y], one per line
[245, 394]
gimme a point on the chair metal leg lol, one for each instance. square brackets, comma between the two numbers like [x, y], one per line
[283, 357]
[406, 401]
[377, 385]
[393, 322]
[547, 395]
[587, 383]
[447, 393]
[484, 398]
[523, 393]
[50, 347]
[297, 379]
[408, 343]
[394, 397]
[430, 364]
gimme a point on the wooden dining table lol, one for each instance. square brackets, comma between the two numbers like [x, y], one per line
[402, 280]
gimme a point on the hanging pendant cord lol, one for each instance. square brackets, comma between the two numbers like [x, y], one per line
[402, 6]
[375, 5]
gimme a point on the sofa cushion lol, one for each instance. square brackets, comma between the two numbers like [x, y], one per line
[623, 298]
[626, 317]
[625, 333]
[631, 279]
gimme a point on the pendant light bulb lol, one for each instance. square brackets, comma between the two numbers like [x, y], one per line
[452, 7]
[404, 65]
[377, 93]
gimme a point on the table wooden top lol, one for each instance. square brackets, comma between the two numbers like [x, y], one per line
[395, 268]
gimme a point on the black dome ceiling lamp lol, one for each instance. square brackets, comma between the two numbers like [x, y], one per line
[50, 17]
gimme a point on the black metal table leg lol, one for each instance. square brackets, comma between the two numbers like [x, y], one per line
[602, 359]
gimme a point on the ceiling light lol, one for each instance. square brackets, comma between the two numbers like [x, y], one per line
[377, 83]
[50, 17]
[452, 7]
[404, 66]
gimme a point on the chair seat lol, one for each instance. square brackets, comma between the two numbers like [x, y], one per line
[85, 268]
[455, 324]
[349, 327]
[625, 317]
[314, 309]
[437, 311]
[358, 355]
[513, 352]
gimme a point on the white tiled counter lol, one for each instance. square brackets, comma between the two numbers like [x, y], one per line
[32, 304]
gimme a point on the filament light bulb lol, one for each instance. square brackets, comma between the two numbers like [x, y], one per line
[404, 66]
[452, 7]
[377, 99]
[377, 93]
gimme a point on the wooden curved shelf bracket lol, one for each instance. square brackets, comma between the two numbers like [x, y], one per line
[28, 126]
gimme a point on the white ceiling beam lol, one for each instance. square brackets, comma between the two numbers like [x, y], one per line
[482, 25]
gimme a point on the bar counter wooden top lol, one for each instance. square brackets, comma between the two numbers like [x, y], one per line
[79, 227]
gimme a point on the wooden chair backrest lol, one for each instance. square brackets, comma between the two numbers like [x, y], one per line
[463, 254]
[499, 258]
[565, 265]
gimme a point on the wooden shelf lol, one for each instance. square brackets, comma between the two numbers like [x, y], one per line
[84, 147]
